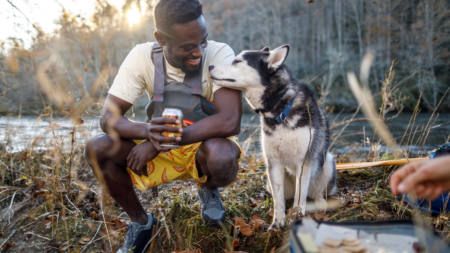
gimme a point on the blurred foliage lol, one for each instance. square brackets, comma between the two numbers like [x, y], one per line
[76, 64]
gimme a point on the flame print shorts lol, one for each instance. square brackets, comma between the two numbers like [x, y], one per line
[175, 164]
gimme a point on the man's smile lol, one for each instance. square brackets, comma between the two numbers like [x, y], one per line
[193, 62]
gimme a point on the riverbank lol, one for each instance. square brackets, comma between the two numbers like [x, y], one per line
[58, 205]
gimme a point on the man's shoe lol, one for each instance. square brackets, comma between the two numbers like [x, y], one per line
[139, 236]
[213, 211]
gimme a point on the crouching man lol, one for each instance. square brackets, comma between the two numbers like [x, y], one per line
[174, 73]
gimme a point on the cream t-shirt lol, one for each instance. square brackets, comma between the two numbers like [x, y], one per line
[136, 74]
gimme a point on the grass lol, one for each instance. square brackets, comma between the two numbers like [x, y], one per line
[55, 204]
[58, 213]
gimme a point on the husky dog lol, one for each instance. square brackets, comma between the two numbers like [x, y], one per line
[295, 133]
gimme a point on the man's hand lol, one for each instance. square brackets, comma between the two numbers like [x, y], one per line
[139, 157]
[424, 179]
[157, 126]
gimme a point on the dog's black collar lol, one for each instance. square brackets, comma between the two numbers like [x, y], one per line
[273, 102]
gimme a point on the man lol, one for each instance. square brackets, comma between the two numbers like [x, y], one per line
[182, 34]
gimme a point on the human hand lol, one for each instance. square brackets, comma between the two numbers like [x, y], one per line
[424, 179]
[139, 156]
[157, 126]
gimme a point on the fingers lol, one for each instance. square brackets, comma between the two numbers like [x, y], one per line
[143, 168]
[160, 138]
[158, 146]
[164, 128]
[135, 168]
[419, 173]
[437, 193]
[164, 120]
[130, 160]
[400, 175]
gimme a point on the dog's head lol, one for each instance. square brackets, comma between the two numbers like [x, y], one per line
[257, 72]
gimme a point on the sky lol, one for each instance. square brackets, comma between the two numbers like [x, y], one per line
[43, 12]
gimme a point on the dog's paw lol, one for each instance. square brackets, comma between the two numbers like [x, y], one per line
[276, 227]
[321, 204]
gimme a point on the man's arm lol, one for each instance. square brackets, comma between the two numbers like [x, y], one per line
[226, 122]
[112, 120]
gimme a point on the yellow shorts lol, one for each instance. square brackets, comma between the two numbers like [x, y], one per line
[175, 164]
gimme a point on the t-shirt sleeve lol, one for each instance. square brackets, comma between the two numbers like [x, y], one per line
[224, 55]
[129, 84]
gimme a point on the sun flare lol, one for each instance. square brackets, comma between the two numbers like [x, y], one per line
[133, 16]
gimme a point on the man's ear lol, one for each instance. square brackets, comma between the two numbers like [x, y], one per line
[265, 49]
[159, 38]
[277, 57]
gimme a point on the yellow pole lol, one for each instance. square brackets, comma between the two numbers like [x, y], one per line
[347, 166]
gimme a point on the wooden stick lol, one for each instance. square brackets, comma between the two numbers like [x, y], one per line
[347, 166]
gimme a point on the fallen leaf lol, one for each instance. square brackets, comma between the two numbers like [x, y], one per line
[255, 202]
[273, 249]
[271, 213]
[48, 221]
[236, 243]
[84, 240]
[258, 221]
[85, 69]
[7, 246]
[120, 225]
[39, 184]
[175, 190]
[94, 215]
[243, 227]
[319, 215]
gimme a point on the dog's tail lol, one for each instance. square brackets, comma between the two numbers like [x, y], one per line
[330, 172]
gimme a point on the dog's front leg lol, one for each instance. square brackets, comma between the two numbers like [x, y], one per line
[301, 186]
[275, 173]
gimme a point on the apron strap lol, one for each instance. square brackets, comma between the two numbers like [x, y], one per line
[160, 72]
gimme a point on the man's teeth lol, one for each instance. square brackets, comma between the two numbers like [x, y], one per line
[194, 61]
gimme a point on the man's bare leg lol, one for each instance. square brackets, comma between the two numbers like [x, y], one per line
[113, 167]
[217, 159]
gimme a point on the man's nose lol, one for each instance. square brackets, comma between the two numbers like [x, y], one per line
[211, 67]
[198, 52]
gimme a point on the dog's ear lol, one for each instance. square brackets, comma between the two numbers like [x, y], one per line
[265, 49]
[277, 57]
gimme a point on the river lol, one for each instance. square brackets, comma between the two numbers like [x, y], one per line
[26, 132]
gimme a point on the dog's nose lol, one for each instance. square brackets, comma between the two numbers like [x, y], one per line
[211, 67]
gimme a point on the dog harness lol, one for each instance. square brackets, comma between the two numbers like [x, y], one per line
[185, 95]
[280, 118]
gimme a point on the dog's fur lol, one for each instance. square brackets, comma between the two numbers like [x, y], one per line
[262, 75]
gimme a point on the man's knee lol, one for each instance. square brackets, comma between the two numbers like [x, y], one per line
[221, 159]
[97, 148]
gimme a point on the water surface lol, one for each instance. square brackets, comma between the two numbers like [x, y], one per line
[26, 132]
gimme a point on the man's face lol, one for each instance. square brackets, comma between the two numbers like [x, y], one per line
[185, 44]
